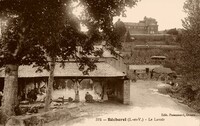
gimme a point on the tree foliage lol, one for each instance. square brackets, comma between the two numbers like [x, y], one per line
[172, 31]
[189, 87]
[51, 28]
[39, 31]
[191, 41]
[120, 30]
[48, 29]
[128, 37]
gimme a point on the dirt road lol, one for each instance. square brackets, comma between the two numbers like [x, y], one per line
[147, 108]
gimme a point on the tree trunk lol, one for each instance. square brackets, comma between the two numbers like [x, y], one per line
[50, 85]
[10, 91]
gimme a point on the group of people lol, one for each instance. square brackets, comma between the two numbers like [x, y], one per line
[32, 96]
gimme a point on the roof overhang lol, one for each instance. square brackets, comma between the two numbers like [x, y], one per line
[70, 70]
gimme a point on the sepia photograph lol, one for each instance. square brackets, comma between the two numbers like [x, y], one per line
[99, 62]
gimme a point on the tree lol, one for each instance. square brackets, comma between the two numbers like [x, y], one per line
[190, 42]
[128, 37]
[172, 31]
[50, 32]
[38, 36]
[15, 50]
[120, 30]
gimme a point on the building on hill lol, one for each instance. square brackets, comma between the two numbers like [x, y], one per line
[146, 26]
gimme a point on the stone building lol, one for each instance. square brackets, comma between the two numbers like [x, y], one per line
[146, 26]
[107, 81]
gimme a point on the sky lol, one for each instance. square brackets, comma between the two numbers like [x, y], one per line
[168, 13]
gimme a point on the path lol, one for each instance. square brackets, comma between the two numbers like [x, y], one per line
[147, 108]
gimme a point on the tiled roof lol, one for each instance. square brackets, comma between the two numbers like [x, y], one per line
[70, 70]
[106, 52]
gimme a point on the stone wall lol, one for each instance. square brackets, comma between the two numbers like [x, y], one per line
[122, 91]
[119, 90]
[44, 118]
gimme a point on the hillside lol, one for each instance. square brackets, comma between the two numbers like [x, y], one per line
[140, 50]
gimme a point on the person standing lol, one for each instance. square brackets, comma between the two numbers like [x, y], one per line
[1, 96]
[152, 71]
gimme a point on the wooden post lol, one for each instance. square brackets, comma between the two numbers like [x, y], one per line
[126, 91]
[26, 92]
[76, 89]
[105, 95]
[102, 86]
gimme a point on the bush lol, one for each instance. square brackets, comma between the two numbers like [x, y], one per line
[156, 37]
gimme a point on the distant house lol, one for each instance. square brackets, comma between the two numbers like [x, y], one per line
[158, 59]
[146, 26]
